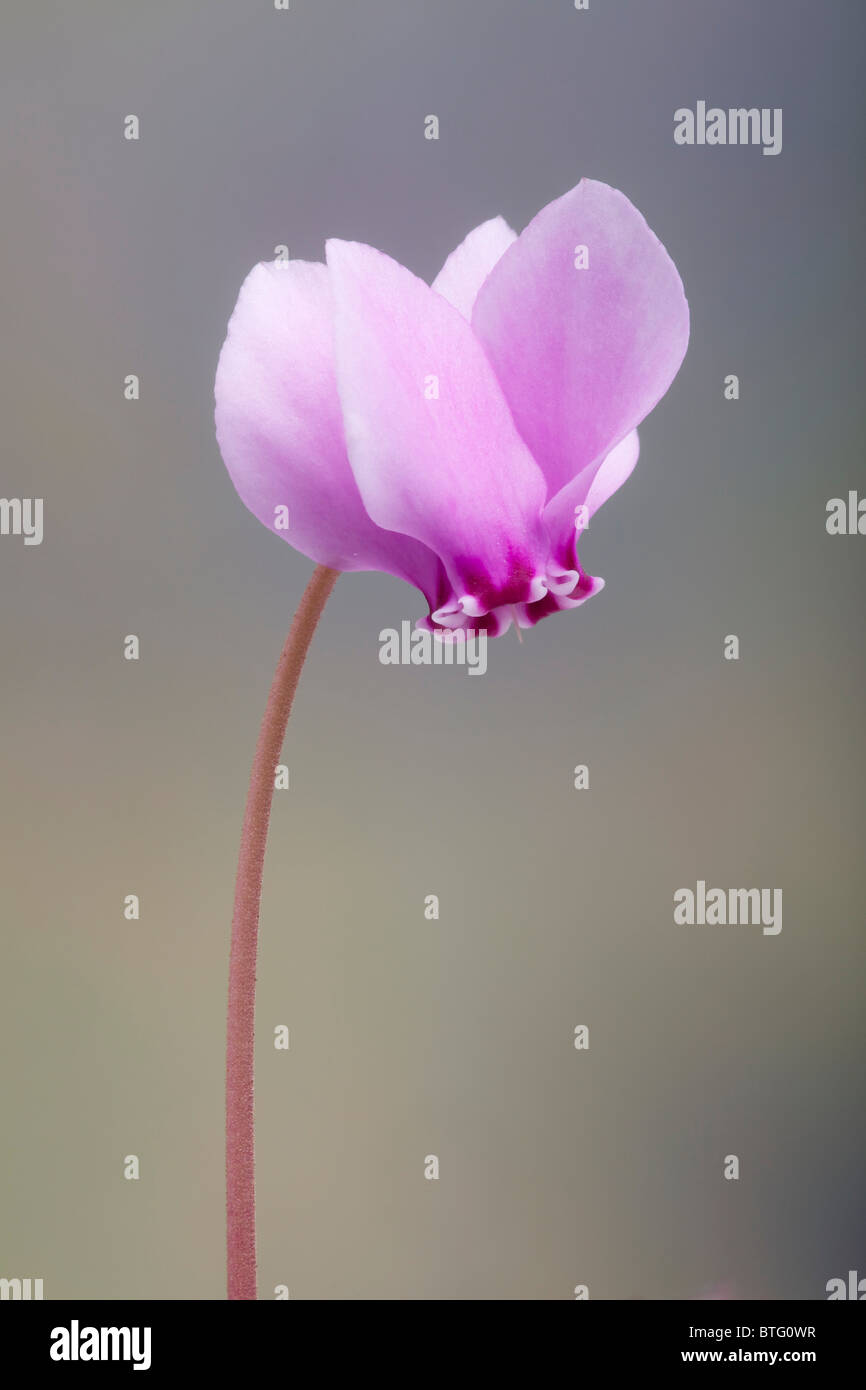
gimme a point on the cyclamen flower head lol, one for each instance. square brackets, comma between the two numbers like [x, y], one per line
[459, 436]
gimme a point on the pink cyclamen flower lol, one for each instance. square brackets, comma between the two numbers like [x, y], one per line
[460, 435]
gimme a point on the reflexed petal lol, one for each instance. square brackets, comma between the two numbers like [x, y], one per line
[582, 355]
[528, 614]
[466, 269]
[280, 428]
[493, 624]
[430, 438]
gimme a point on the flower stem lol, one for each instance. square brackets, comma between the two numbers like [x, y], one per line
[240, 1032]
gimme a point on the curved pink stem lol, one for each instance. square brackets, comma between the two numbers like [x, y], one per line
[240, 1033]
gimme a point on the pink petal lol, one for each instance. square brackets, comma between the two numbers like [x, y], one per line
[588, 491]
[450, 471]
[466, 269]
[583, 355]
[280, 428]
[618, 465]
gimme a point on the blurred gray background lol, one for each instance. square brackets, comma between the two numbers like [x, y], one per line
[410, 1037]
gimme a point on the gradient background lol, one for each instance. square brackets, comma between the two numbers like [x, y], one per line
[409, 1037]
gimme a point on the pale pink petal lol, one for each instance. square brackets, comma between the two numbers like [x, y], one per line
[569, 512]
[430, 438]
[466, 269]
[582, 355]
[280, 428]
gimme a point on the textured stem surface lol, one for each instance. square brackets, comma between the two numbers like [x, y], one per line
[240, 1032]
